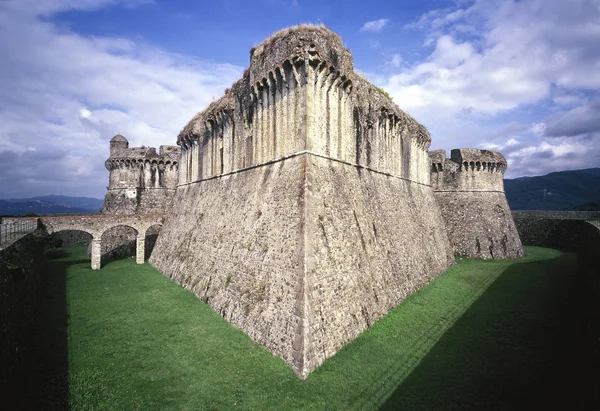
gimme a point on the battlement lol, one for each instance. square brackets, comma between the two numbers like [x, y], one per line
[124, 157]
[301, 94]
[140, 179]
[467, 169]
[469, 159]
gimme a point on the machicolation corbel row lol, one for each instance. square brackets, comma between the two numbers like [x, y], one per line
[304, 209]
[469, 190]
[141, 181]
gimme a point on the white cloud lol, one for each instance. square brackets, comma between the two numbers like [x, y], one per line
[375, 26]
[523, 48]
[66, 95]
[395, 61]
[497, 58]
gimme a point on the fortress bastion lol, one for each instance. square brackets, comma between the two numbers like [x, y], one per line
[469, 190]
[304, 209]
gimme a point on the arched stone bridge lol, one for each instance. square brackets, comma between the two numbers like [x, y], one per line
[97, 224]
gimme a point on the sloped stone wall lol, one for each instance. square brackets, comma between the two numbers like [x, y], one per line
[305, 253]
[469, 190]
[21, 275]
[480, 225]
[304, 209]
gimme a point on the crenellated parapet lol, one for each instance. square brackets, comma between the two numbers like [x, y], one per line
[301, 94]
[467, 169]
[469, 190]
[140, 163]
[140, 179]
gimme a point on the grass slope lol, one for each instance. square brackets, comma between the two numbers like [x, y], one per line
[485, 335]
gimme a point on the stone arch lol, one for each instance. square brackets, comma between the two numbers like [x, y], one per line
[150, 236]
[74, 236]
[118, 241]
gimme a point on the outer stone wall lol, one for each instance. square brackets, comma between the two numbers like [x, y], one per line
[304, 209]
[21, 276]
[303, 254]
[73, 237]
[559, 214]
[469, 191]
[237, 242]
[563, 234]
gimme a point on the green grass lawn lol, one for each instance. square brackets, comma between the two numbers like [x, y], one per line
[485, 335]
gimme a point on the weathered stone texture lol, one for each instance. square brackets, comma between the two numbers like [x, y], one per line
[558, 214]
[304, 97]
[237, 242]
[303, 254]
[563, 234]
[304, 210]
[74, 237]
[141, 181]
[371, 241]
[101, 227]
[469, 190]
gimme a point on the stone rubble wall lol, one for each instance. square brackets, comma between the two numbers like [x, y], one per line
[137, 200]
[21, 278]
[469, 190]
[371, 241]
[304, 210]
[589, 299]
[237, 243]
[73, 237]
[141, 181]
[559, 214]
[303, 254]
[563, 234]
[480, 225]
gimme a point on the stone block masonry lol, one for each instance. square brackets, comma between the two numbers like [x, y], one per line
[304, 210]
[469, 190]
[141, 181]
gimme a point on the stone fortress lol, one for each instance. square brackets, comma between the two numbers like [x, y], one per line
[141, 181]
[469, 190]
[307, 205]
[303, 204]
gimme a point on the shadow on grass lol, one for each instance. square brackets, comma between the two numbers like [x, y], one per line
[515, 347]
[45, 375]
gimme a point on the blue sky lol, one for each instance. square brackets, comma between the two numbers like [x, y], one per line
[521, 76]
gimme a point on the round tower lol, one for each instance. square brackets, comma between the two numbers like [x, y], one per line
[469, 189]
[140, 179]
[117, 144]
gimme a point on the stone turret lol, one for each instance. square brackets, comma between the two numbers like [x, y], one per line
[469, 189]
[140, 180]
[118, 144]
[304, 209]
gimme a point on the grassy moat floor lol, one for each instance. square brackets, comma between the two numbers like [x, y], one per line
[485, 335]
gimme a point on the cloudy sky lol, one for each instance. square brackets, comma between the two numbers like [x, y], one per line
[522, 77]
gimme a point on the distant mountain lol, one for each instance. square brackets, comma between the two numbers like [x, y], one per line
[50, 204]
[88, 203]
[555, 191]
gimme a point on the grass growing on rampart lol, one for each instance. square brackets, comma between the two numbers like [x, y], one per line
[485, 335]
